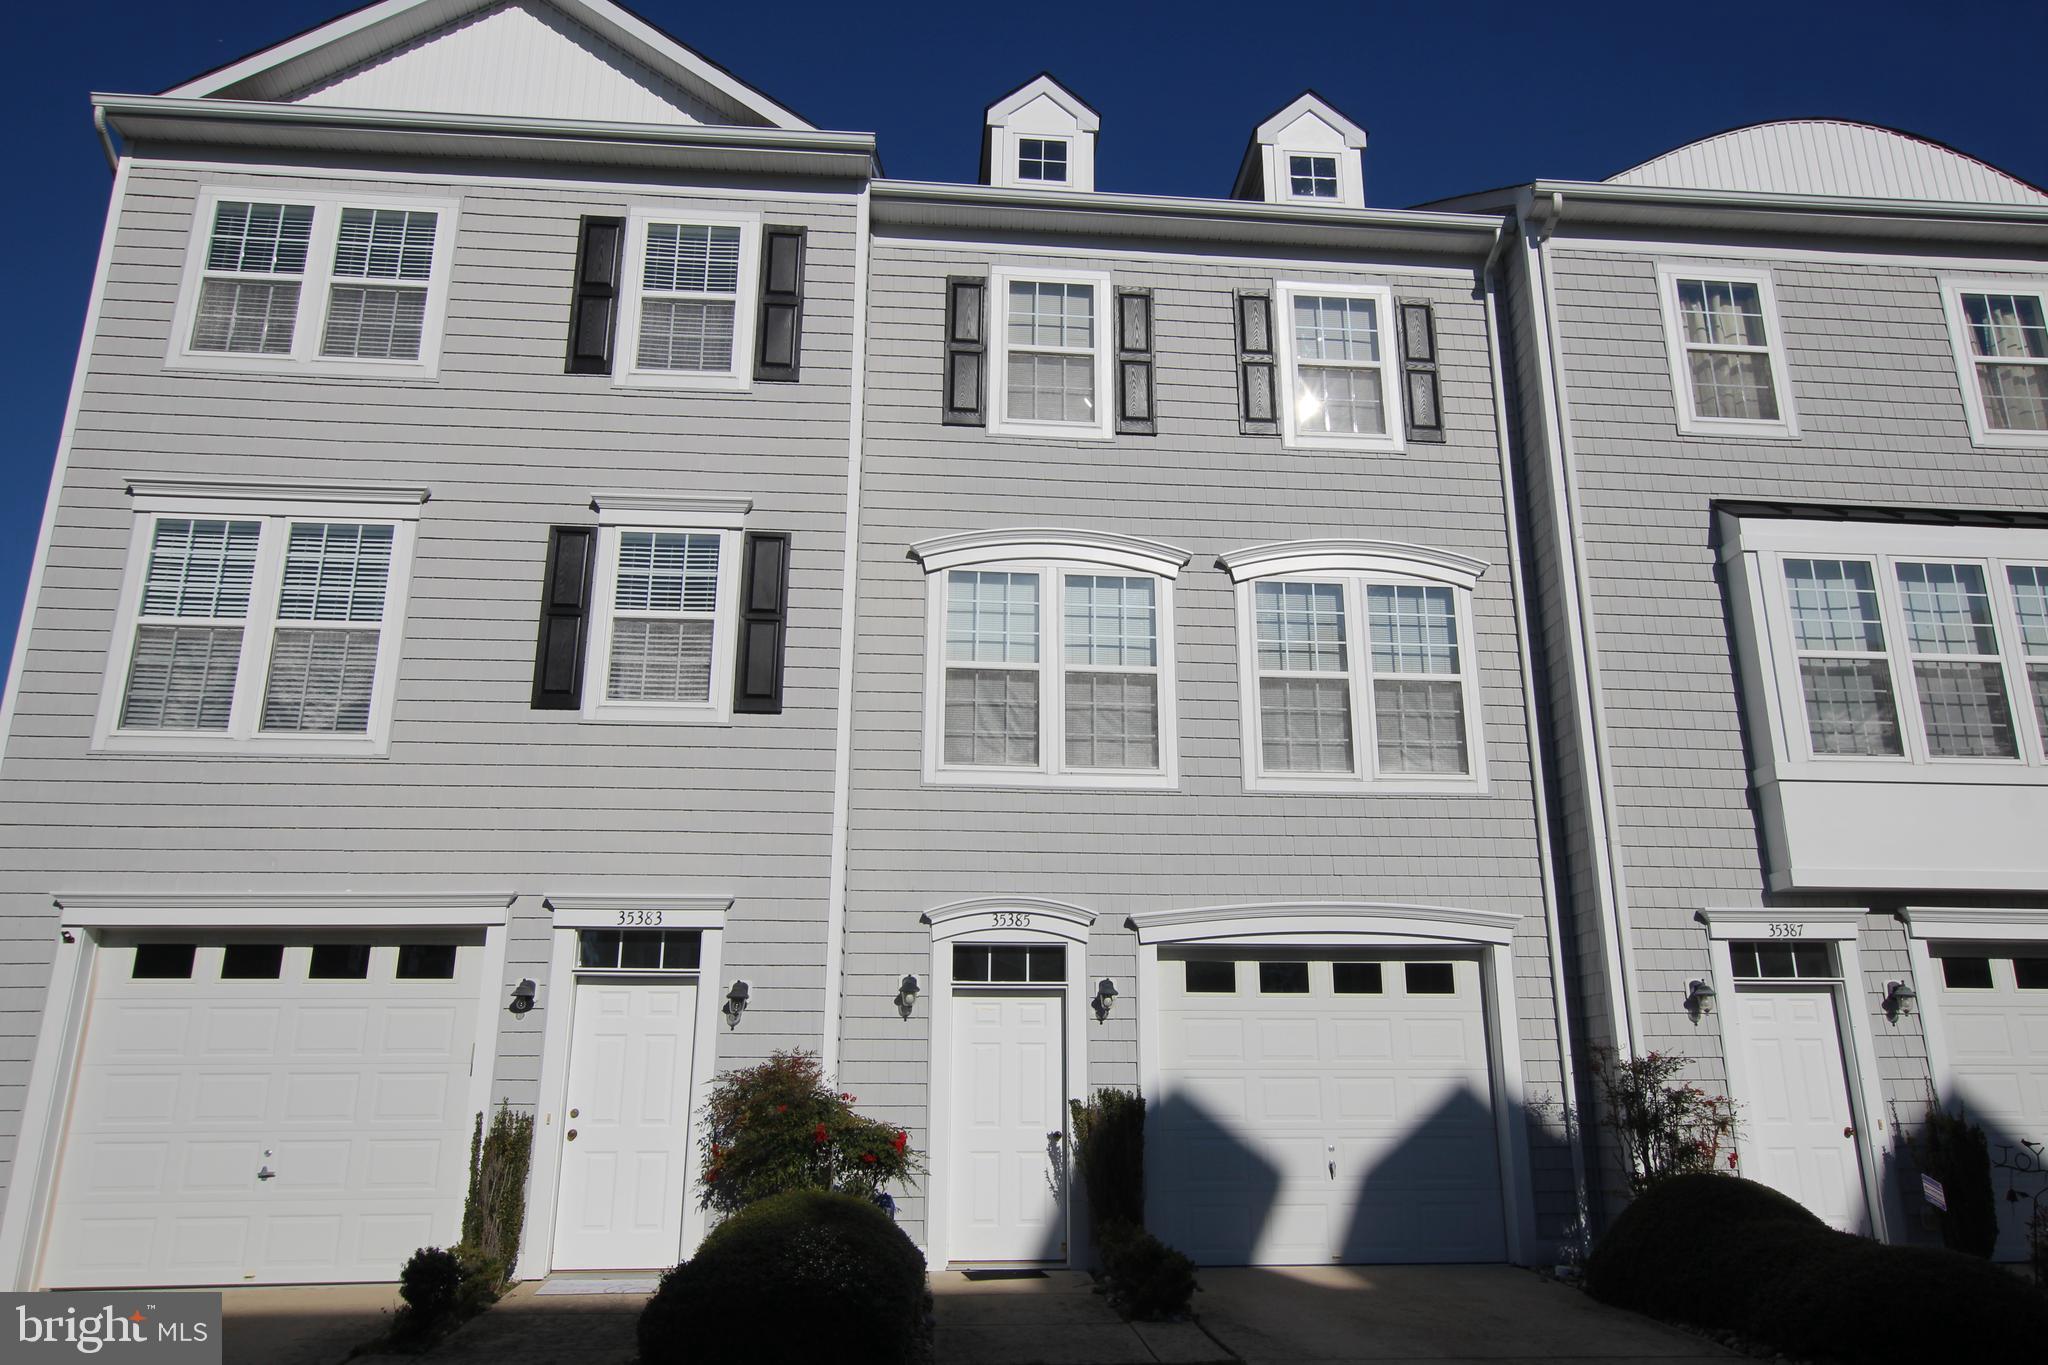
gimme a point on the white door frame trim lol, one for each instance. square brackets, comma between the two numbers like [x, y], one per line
[1927, 926]
[976, 921]
[705, 914]
[1852, 1025]
[1372, 924]
[81, 918]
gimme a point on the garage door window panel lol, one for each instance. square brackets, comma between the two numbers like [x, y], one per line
[339, 962]
[1357, 978]
[1960, 973]
[251, 961]
[1206, 976]
[1283, 978]
[163, 961]
[426, 962]
[2030, 973]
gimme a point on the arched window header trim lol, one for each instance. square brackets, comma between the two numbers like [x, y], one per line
[1287, 558]
[968, 548]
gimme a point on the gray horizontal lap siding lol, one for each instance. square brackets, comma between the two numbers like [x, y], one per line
[479, 793]
[1874, 384]
[1201, 485]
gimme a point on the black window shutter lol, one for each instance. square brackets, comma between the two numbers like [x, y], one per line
[965, 401]
[594, 311]
[1418, 372]
[1258, 413]
[782, 305]
[564, 619]
[1134, 362]
[764, 616]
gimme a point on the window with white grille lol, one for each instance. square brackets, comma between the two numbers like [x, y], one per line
[665, 610]
[1727, 354]
[341, 285]
[2001, 340]
[1311, 177]
[1337, 345]
[690, 284]
[1051, 366]
[1052, 671]
[258, 627]
[1357, 676]
[1937, 653]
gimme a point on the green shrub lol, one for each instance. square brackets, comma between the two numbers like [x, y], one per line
[1109, 1148]
[495, 1208]
[1954, 1152]
[779, 1127]
[1146, 1278]
[430, 1282]
[1731, 1255]
[798, 1279]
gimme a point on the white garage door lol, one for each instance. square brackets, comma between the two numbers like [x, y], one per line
[1314, 1108]
[1994, 1013]
[266, 1110]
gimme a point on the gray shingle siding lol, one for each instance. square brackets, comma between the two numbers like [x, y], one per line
[479, 792]
[1201, 485]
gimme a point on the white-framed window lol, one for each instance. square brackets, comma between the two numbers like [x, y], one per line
[1727, 351]
[1903, 645]
[1357, 668]
[1050, 660]
[1051, 365]
[689, 280]
[314, 283]
[2000, 333]
[664, 609]
[1311, 175]
[1042, 160]
[259, 620]
[1338, 358]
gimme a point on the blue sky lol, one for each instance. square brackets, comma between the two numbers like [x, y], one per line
[1456, 97]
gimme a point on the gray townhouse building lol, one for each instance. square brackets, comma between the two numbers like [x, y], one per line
[560, 581]
[1782, 401]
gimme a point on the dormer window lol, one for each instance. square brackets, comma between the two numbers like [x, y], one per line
[1312, 177]
[1043, 159]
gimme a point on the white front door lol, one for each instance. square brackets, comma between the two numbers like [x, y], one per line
[1797, 1130]
[626, 1132]
[1009, 1128]
[267, 1109]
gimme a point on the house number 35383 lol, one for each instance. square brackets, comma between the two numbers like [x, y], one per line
[640, 916]
[1012, 919]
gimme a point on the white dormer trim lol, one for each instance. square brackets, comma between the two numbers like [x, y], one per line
[1288, 557]
[1040, 109]
[1307, 126]
[638, 37]
[1067, 545]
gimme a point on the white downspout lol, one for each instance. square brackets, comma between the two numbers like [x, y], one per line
[842, 752]
[1553, 928]
[1605, 837]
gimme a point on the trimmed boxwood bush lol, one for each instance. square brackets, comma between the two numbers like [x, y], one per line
[1731, 1255]
[1146, 1278]
[798, 1279]
[1109, 1147]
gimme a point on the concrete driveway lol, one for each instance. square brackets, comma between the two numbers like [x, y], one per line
[1439, 1314]
[302, 1324]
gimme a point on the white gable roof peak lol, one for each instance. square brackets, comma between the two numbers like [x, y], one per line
[1040, 136]
[1834, 157]
[586, 60]
[1306, 126]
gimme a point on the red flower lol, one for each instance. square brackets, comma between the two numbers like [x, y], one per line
[711, 1176]
[1731, 1161]
[844, 1096]
[868, 1157]
[782, 1109]
[820, 1136]
[900, 1141]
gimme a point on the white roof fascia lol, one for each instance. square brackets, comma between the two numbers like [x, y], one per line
[605, 17]
[1310, 102]
[1085, 118]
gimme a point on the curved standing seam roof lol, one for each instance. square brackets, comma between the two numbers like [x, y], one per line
[1831, 157]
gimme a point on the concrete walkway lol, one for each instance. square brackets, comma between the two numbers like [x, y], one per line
[1055, 1320]
[301, 1325]
[1445, 1315]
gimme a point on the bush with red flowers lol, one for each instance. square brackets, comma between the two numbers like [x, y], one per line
[778, 1127]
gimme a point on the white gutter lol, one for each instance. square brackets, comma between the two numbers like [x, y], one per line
[99, 125]
[849, 604]
[1552, 923]
[1585, 679]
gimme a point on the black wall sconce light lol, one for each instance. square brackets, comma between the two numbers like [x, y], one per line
[1105, 996]
[735, 1004]
[1897, 995]
[1699, 998]
[522, 996]
[906, 996]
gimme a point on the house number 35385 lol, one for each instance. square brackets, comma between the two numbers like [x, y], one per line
[1012, 919]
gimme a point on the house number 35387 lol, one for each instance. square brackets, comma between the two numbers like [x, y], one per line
[1784, 929]
[1012, 919]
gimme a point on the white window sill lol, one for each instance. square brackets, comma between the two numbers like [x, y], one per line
[1739, 429]
[1301, 785]
[1050, 431]
[1371, 445]
[608, 714]
[2009, 440]
[324, 367]
[1022, 778]
[682, 379]
[2004, 772]
[259, 746]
